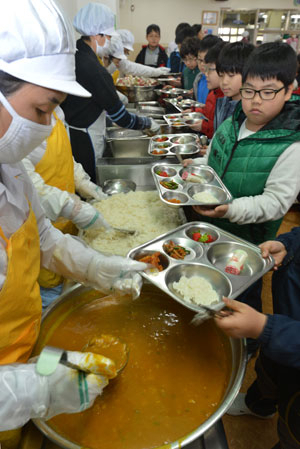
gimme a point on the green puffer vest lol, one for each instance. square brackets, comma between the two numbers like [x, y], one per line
[245, 165]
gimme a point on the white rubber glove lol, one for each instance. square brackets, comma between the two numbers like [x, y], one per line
[155, 127]
[85, 216]
[24, 394]
[83, 184]
[89, 189]
[116, 273]
[163, 70]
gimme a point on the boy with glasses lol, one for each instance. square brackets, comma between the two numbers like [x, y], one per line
[256, 152]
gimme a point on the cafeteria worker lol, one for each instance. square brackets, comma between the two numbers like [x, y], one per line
[37, 70]
[86, 117]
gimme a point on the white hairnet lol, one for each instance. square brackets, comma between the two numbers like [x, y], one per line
[115, 48]
[38, 45]
[245, 34]
[93, 19]
[127, 39]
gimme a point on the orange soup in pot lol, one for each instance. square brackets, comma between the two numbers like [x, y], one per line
[175, 378]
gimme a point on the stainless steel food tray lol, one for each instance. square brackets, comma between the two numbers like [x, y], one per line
[185, 191]
[173, 119]
[206, 260]
[170, 145]
[172, 92]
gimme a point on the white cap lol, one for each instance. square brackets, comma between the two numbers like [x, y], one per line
[115, 48]
[245, 34]
[93, 19]
[127, 39]
[39, 45]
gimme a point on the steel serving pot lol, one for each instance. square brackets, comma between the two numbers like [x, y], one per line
[138, 93]
[73, 296]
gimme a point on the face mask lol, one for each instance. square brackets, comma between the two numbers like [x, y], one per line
[21, 137]
[102, 51]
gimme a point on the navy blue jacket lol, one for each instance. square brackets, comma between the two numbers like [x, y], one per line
[224, 109]
[280, 339]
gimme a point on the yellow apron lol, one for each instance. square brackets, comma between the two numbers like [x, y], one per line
[57, 170]
[115, 76]
[21, 305]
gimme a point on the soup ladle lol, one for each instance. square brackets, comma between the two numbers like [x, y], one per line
[107, 345]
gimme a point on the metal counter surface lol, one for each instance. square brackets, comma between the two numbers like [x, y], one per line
[137, 170]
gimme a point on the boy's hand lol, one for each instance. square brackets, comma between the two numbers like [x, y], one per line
[275, 249]
[243, 322]
[197, 126]
[217, 212]
[187, 162]
[175, 83]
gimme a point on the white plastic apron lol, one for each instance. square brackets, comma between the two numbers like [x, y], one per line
[96, 132]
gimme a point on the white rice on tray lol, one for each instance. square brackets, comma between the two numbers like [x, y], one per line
[140, 211]
[196, 290]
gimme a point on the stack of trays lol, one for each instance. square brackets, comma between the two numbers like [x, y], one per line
[172, 92]
[205, 260]
[183, 194]
[189, 103]
[166, 145]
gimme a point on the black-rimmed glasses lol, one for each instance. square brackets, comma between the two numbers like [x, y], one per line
[265, 94]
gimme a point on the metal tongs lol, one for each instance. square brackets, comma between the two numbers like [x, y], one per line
[179, 157]
[125, 231]
[221, 311]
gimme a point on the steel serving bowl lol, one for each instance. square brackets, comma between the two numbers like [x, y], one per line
[112, 186]
[75, 295]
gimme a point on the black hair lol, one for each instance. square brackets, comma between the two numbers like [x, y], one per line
[233, 57]
[213, 53]
[9, 84]
[151, 28]
[190, 46]
[272, 60]
[209, 41]
[197, 27]
[180, 26]
[184, 33]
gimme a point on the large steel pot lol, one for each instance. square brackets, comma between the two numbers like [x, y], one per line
[75, 295]
[127, 142]
[138, 93]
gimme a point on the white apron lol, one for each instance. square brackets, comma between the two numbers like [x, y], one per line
[96, 132]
